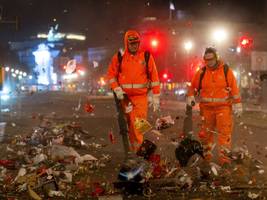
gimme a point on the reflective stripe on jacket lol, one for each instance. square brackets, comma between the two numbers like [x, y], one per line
[214, 87]
[133, 76]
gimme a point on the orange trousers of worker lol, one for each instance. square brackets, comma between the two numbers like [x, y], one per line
[216, 120]
[140, 109]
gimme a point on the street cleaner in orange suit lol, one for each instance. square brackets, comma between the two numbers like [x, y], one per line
[132, 74]
[219, 96]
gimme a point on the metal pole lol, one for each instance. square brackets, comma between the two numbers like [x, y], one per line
[0, 108]
[170, 14]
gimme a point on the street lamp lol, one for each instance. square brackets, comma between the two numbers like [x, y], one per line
[238, 49]
[219, 35]
[188, 45]
[17, 71]
[7, 69]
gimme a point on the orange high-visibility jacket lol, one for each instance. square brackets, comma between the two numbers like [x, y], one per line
[133, 76]
[214, 89]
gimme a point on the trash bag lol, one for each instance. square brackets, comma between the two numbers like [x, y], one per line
[131, 174]
[60, 152]
[186, 149]
[130, 187]
[146, 149]
[164, 122]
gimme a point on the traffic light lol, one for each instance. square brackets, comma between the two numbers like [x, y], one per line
[245, 42]
[165, 76]
[154, 43]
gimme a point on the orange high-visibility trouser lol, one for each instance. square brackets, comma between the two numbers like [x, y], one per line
[219, 118]
[140, 107]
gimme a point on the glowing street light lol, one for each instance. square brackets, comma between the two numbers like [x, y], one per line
[30, 77]
[16, 71]
[188, 45]
[81, 72]
[12, 70]
[154, 43]
[24, 74]
[7, 69]
[220, 35]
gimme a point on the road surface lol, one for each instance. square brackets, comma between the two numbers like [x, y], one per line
[250, 130]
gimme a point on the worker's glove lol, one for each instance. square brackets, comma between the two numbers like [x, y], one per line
[190, 100]
[238, 109]
[156, 102]
[119, 93]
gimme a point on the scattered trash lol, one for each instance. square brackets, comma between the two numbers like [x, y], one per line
[52, 193]
[78, 106]
[253, 195]
[225, 188]
[215, 168]
[164, 122]
[142, 125]
[146, 149]
[89, 108]
[186, 149]
[9, 164]
[33, 194]
[111, 197]
[39, 158]
[156, 132]
[61, 152]
[2, 130]
[111, 137]
[53, 161]
[97, 190]
[130, 174]
[184, 180]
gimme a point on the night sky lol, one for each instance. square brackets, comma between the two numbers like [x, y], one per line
[101, 20]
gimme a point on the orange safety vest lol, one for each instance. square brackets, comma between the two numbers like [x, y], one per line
[132, 73]
[217, 87]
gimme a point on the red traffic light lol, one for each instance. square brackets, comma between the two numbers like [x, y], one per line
[154, 43]
[246, 42]
[165, 76]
